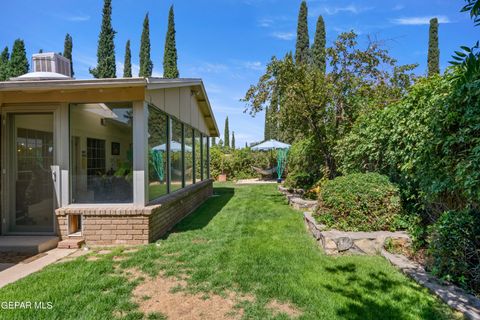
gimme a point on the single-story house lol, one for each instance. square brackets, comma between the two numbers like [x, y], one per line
[107, 161]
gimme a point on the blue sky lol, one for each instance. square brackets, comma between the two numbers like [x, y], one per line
[229, 42]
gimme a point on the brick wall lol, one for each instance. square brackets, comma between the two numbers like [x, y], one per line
[175, 207]
[134, 225]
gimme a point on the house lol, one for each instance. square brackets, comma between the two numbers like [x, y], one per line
[107, 161]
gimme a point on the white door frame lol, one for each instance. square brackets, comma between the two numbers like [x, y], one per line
[60, 154]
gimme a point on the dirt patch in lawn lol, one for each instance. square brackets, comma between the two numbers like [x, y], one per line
[169, 298]
[278, 307]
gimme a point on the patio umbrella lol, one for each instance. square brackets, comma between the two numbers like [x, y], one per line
[281, 155]
[174, 147]
[270, 145]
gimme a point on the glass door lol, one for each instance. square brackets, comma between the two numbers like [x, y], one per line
[31, 181]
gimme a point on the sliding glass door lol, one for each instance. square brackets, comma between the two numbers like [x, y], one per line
[30, 153]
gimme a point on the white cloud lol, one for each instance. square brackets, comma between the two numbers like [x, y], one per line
[208, 67]
[265, 23]
[398, 7]
[284, 35]
[253, 65]
[353, 9]
[416, 21]
[73, 18]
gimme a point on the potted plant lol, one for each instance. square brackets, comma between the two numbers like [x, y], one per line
[223, 176]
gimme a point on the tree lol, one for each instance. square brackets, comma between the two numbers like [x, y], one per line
[127, 64]
[266, 130]
[67, 51]
[324, 108]
[226, 134]
[214, 141]
[146, 64]
[319, 45]
[170, 70]
[18, 63]
[433, 50]
[106, 67]
[273, 115]
[233, 139]
[302, 48]
[4, 57]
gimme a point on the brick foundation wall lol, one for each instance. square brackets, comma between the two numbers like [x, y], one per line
[132, 225]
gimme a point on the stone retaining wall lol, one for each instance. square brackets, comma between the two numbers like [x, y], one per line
[295, 199]
[132, 225]
[339, 242]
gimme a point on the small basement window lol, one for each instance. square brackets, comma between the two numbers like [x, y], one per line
[75, 225]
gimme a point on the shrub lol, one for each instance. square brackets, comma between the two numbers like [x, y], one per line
[397, 141]
[359, 202]
[237, 164]
[305, 164]
[454, 248]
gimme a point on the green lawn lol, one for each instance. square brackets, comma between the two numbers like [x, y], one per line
[248, 240]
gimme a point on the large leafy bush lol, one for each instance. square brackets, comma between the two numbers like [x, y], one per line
[359, 202]
[397, 140]
[454, 248]
[305, 164]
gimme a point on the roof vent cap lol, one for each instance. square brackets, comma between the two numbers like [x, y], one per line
[48, 66]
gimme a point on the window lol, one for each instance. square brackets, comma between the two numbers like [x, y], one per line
[95, 159]
[198, 156]
[176, 155]
[205, 157]
[189, 155]
[101, 153]
[157, 153]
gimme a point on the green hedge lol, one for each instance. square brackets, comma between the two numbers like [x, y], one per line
[237, 164]
[359, 202]
[454, 248]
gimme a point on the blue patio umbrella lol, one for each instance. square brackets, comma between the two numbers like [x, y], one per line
[281, 154]
[271, 145]
[174, 147]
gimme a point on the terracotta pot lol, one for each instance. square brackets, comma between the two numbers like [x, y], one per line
[222, 178]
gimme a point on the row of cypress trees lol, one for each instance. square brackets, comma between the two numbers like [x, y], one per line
[106, 67]
[226, 142]
[316, 55]
[304, 54]
[16, 63]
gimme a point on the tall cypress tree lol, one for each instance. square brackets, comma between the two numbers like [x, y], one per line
[233, 139]
[266, 129]
[433, 50]
[127, 64]
[302, 47]
[106, 67]
[18, 63]
[4, 56]
[226, 134]
[170, 70]
[273, 116]
[67, 51]
[319, 44]
[146, 64]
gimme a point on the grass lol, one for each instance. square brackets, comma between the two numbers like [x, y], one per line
[248, 240]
